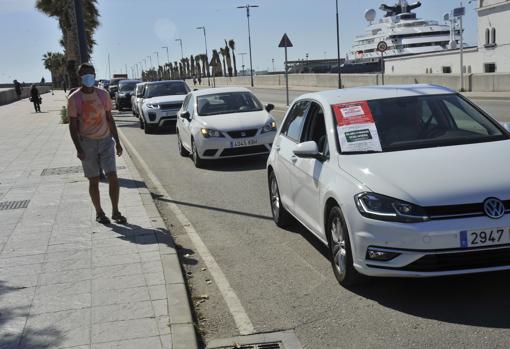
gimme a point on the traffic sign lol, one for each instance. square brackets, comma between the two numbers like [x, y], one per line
[459, 11]
[382, 46]
[285, 41]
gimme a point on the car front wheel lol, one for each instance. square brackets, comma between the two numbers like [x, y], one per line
[281, 216]
[340, 249]
[197, 160]
[180, 147]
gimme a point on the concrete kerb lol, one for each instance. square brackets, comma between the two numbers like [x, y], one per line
[182, 329]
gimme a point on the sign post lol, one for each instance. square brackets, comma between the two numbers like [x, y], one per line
[285, 42]
[459, 12]
[382, 46]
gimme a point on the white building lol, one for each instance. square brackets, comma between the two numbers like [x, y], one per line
[491, 55]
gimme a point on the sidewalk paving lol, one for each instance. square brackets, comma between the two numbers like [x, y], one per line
[66, 281]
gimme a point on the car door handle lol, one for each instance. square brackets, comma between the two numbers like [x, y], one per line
[293, 158]
[277, 147]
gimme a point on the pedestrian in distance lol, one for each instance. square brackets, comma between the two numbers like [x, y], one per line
[199, 80]
[35, 98]
[43, 81]
[64, 85]
[96, 140]
[17, 88]
[194, 81]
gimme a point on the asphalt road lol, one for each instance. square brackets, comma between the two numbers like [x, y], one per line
[283, 278]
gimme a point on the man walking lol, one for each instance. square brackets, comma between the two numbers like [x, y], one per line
[96, 140]
[17, 88]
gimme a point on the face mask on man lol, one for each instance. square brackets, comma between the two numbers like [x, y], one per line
[88, 80]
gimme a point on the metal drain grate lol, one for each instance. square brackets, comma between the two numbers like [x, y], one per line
[67, 170]
[270, 340]
[13, 205]
[275, 345]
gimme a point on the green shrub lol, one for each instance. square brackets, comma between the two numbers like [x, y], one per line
[63, 116]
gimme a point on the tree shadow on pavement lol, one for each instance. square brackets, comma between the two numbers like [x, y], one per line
[13, 333]
[131, 183]
[218, 209]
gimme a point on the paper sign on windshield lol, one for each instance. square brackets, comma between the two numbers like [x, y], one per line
[356, 127]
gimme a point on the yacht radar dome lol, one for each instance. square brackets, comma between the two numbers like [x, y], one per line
[370, 15]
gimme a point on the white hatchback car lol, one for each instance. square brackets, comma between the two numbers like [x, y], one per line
[137, 98]
[161, 102]
[223, 123]
[405, 181]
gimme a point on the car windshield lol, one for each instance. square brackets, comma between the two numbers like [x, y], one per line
[166, 89]
[430, 121]
[127, 86]
[227, 103]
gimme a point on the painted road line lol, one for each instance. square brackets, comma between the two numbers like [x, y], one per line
[241, 319]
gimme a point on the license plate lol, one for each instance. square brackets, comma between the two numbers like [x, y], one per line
[243, 143]
[484, 237]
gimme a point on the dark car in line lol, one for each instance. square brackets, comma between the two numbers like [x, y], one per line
[123, 95]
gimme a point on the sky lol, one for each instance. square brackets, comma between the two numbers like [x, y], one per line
[132, 30]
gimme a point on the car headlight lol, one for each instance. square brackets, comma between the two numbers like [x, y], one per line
[268, 127]
[152, 106]
[208, 133]
[385, 208]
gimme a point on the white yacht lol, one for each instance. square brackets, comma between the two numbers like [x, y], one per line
[403, 32]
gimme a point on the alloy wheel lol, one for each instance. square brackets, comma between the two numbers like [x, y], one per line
[338, 245]
[275, 198]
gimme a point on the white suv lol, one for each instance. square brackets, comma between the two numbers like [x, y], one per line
[161, 102]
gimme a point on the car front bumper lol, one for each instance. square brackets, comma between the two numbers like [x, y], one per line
[223, 147]
[160, 118]
[427, 249]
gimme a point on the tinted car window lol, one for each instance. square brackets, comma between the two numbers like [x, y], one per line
[166, 89]
[125, 86]
[227, 103]
[315, 128]
[294, 121]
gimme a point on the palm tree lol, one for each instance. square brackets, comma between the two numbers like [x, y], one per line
[198, 68]
[229, 60]
[232, 45]
[56, 64]
[223, 54]
[216, 63]
[64, 12]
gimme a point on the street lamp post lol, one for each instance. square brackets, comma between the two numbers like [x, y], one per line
[167, 56]
[338, 46]
[145, 63]
[242, 54]
[206, 54]
[180, 41]
[272, 60]
[157, 57]
[247, 7]
[150, 61]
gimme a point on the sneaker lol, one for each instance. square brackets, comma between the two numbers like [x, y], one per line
[102, 219]
[119, 218]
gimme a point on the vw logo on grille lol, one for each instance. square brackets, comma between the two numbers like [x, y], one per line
[494, 208]
[243, 134]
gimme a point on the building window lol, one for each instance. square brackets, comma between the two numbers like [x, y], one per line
[489, 68]
[493, 36]
[487, 36]
[447, 70]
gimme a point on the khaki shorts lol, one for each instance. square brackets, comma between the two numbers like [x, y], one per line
[99, 153]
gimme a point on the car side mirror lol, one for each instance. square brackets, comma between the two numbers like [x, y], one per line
[195, 89]
[186, 115]
[269, 107]
[308, 150]
[139, 95]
